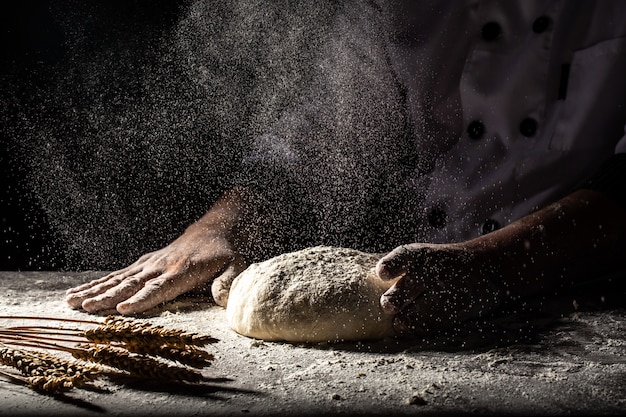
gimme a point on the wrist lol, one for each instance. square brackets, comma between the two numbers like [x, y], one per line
[504, 267]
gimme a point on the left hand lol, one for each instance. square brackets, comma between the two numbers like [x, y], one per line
[440, 285]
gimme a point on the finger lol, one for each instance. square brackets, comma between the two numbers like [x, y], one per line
[76, 300]
[87, 285]
[402, 293]
[100, 286]
[75, 296]
[430, 313]
[113, 296]
[91, 284]
[154, 292]
[220, 289]
[130, 270]
[395, 263]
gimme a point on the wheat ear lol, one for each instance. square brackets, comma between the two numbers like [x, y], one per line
[45, 372]
[142, 366]
[190, 355]
[125, 329]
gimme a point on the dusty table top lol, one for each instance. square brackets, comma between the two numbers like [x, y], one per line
[562, 361]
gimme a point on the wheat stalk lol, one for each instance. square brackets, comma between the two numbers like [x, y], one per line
[51, 385]
[121, 343]
[46, 372]
[136, 365]
[116, 328]
[124, 329]
[191, 355]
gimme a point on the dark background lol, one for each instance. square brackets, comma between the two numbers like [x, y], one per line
[32, 44]
[33, 48]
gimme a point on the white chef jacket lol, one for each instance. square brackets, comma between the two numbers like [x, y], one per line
[515, 104]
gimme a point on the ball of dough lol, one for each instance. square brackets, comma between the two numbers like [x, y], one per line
[319, 294]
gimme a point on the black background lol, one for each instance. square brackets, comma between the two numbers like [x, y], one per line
[33, 47]
[32, 43]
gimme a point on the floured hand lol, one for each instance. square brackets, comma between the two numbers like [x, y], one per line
[189, 263]
[439, 286]
[200, 256]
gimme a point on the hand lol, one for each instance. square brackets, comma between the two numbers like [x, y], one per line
[189, 263]
[439, 286]
[203, 253]
[579, 236]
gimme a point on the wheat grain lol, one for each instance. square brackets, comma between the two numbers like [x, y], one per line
[54, 383]
[116, 344]
[21, 361]
[70, 367]
[191, 355]
[124, 329]
[142, 366]
[46, 372]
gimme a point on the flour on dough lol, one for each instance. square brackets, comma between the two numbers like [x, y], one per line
[319, 294]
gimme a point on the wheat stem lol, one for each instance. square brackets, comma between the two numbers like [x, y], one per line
[36, 336]
[49, 318]
[190, 355]
[46, 372]
[127, 330]
[136, 365]
[121, 343]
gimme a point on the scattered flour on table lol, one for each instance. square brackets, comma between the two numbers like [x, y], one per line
[318, 294]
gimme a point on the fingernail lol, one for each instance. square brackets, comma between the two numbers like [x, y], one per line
[124, 308]
[89, 305]
[382, 272]
[386, 272]
[388, 305]
[73, 301]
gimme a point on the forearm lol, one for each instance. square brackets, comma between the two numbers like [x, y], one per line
[582, 234]
[256, 223]
[223, 216]
[228, 219]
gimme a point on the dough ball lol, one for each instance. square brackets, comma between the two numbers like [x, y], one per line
[319, 294]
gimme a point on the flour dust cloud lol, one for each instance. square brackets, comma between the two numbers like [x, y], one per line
[155, 108]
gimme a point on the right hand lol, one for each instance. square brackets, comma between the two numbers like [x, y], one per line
[189, 263]
[439, 285]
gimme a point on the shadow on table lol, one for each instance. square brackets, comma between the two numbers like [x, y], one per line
[211, 388]
[520, 322]
[523, 322]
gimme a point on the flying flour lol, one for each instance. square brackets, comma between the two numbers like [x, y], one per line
[318, 294]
